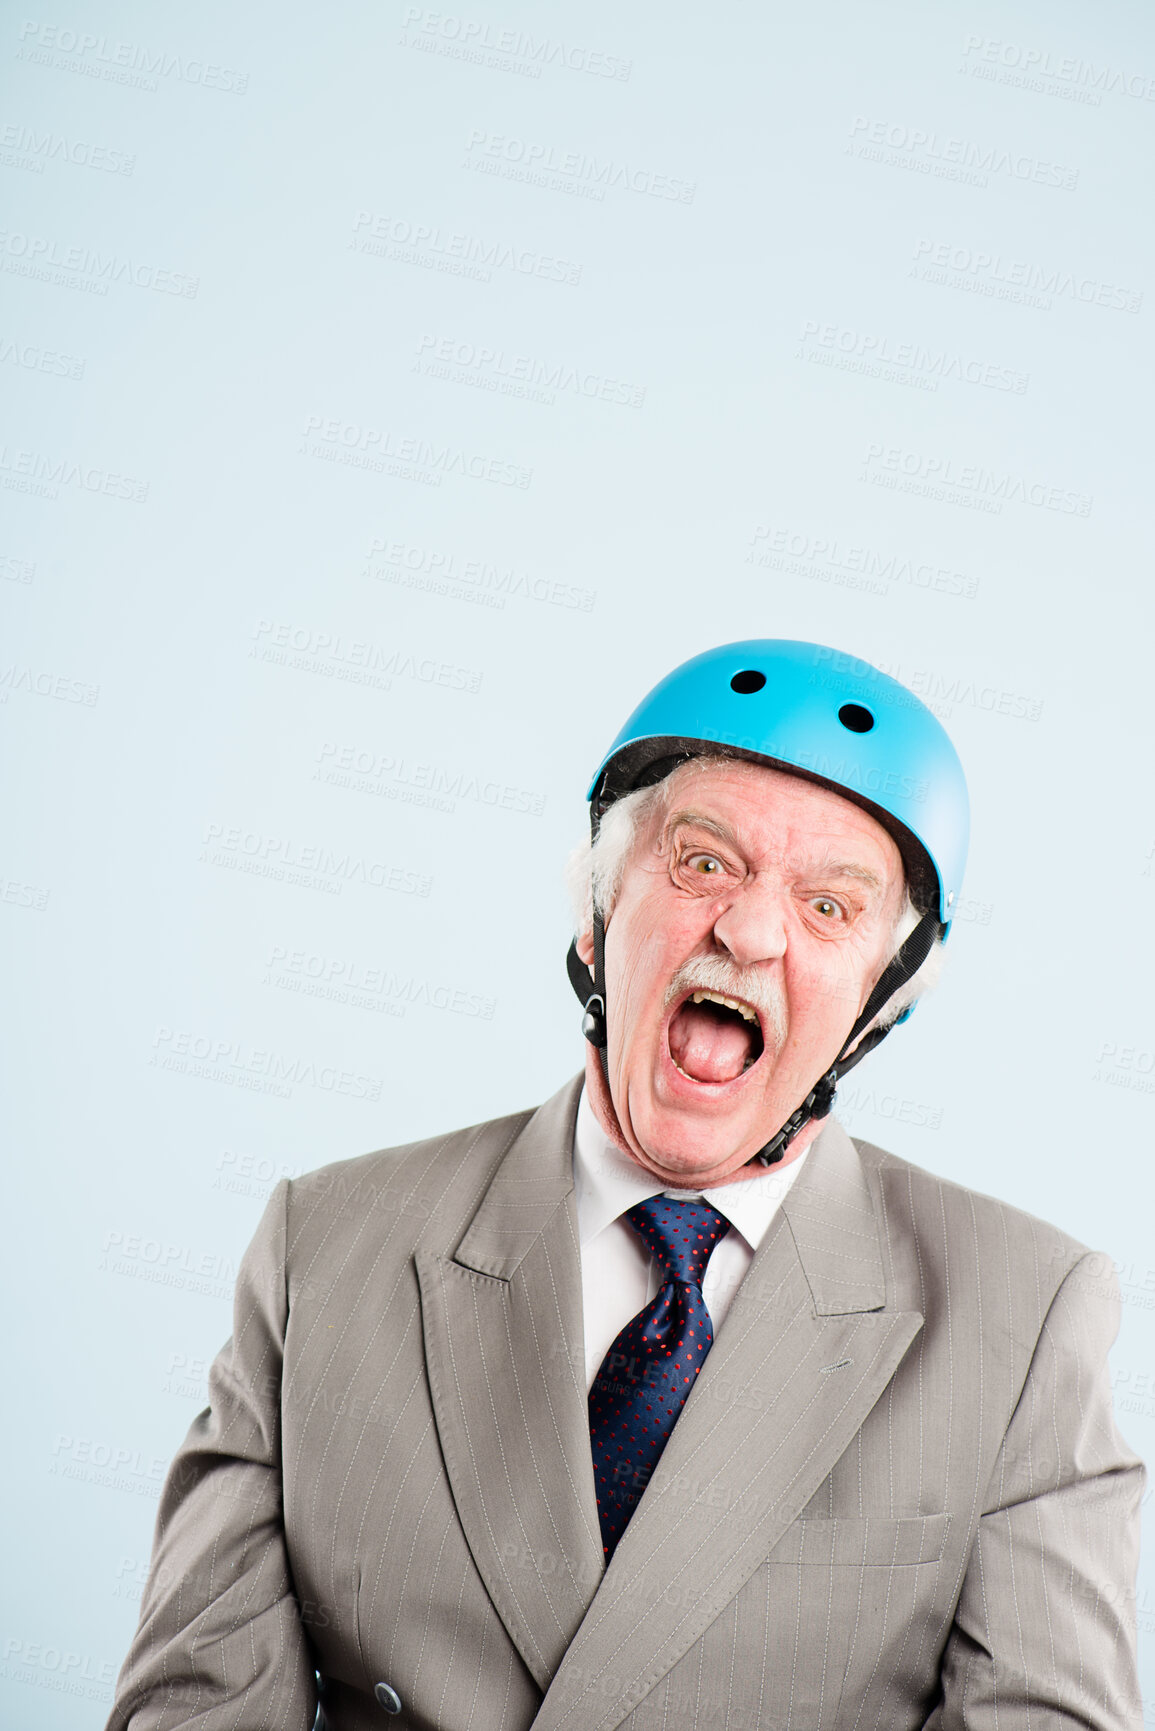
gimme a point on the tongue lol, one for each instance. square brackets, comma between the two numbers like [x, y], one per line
[709, 1043]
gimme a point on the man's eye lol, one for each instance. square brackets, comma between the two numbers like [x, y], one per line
[705, 865]
[828, 909]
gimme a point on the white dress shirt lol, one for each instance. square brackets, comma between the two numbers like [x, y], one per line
[619, 1275]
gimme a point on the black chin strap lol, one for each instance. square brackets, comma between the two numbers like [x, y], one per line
[901, 968]
[591, 994]
[593, 1001]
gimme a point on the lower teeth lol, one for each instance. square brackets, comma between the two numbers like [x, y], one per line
[746, 1066]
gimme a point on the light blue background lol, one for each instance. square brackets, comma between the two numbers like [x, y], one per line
[771, 361]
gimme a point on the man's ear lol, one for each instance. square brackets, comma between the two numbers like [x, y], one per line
[584, 945]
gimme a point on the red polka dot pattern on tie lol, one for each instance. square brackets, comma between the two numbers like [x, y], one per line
[648, 1372]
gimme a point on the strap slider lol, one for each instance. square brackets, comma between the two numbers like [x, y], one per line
[594, 1020]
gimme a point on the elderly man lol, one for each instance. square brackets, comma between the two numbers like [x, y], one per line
[668, 1405]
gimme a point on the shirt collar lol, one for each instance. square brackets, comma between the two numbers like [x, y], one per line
[607, 1182]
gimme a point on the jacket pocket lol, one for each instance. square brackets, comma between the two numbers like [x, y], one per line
[875, 1541]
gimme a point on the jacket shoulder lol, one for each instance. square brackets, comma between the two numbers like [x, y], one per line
[439, 1178]
[478, 1138]
[945, 1239]
[947, 1198]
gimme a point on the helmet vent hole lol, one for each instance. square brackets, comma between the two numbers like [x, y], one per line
[856, 718]
[748, 681]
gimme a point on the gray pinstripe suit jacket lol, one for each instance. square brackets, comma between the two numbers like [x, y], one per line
[895, 1498]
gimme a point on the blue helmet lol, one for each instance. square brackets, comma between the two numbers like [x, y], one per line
[824, 715]
[835, 720]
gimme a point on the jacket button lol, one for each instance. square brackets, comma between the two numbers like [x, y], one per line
[387, 1697]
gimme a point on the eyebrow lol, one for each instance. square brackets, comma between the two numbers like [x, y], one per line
[848, 869]
[701, 821]
[825, 868]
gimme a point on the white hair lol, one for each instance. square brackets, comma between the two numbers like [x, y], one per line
[594, 873]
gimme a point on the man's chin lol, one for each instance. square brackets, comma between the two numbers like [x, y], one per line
[690, 1144]
[690, 1147]
[693, 1162]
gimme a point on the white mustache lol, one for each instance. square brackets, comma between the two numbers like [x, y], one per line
[715, 974]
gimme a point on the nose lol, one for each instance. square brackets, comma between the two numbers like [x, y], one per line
[752, 926]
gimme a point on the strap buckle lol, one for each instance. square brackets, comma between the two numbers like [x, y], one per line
[594, 1020]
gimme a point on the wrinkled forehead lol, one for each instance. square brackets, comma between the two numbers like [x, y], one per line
[760, 807]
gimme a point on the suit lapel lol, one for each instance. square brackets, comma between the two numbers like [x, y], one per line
[502, 1318]
[806, 1351]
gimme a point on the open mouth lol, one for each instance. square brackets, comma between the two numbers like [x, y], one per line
[714, 1038]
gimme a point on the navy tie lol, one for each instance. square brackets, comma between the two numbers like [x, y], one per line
[650, 1369]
